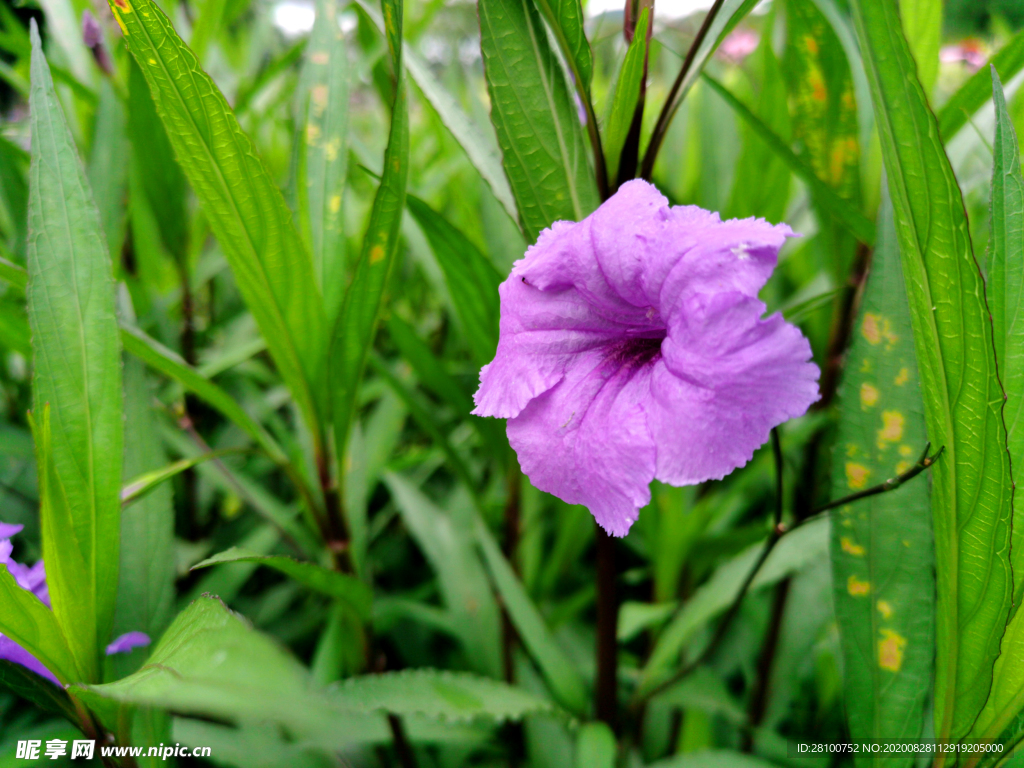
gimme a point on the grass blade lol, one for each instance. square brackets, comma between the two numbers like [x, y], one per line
[323, 153]
[471, 278]
[77, 374]
[338, 586]
[243, 205]
[971, 485]
[357, 322]
[627, 92]
[169, 363]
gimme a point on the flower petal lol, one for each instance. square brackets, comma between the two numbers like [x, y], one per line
[11, 651]
[541, 332]
[127, 642]
[721, 386]
[7, 530]
[586, 440]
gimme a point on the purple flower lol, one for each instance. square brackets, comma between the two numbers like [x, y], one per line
[632, 347]
[33, 579]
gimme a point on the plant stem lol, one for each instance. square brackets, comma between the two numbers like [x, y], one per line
[778, 531]
[513, 522]
[606, 690]
[668, 111]
[403, 749]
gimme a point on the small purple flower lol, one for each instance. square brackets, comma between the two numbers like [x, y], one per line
[33, 579]
[632, 347]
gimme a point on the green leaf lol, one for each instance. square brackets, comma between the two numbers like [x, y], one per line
[108, 172]
[792, 553]
[357, 322]
[481, 148]
[471, 278]
[1005, 290]
[627, 93]
[162, 180]
[566, 20]
[41, 692]
[543, 148]
[447, 544]
[429, 370]
[14, 193]
[205, 664]
[169, 363]
[562, 676]
[843, 210]
[338, 586]
[77, 373]
[976, 92]
[882, 554]
[770, 196]
[595, 745]
[922, 26]
[1005, 284]
[450, 696]
[14, 330]
[29, 623]
[323, 153]
[142, 485]
[971, 484]
[14, 274]
[145, 597]
[245, 208]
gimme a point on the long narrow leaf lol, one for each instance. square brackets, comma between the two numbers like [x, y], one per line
[243, 205]
[562, 677]
[77, 375]
[882, 554]
[338, 586]
[627, 92]
[323, 153]
[543, 148]
[169, 363]
[844, 211]
[1005, 286]
[357, 322]
[971, 484]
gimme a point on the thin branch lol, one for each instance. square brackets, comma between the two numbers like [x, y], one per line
[778, 531]
[669, 109]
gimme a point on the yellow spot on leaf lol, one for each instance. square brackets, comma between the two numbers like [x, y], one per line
[318, 95]
[871, 328]
[856, 587]
[335, 203]
[123, 5]
[851, 450]
[320, 57]
[902, 377]
[312, 134]
[906, 543]
[890, 650]
[152, 61]
[857, 475]
[868, 395]
[331, 149]
[884, 608]
[376, 254]
[865, 366]
[902, 467]
[850, 548]
[892, 428]
[906, 450]
[811, 44]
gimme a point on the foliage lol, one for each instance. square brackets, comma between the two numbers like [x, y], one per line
[248, 278]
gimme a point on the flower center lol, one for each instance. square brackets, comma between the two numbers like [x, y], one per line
[636, 353]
